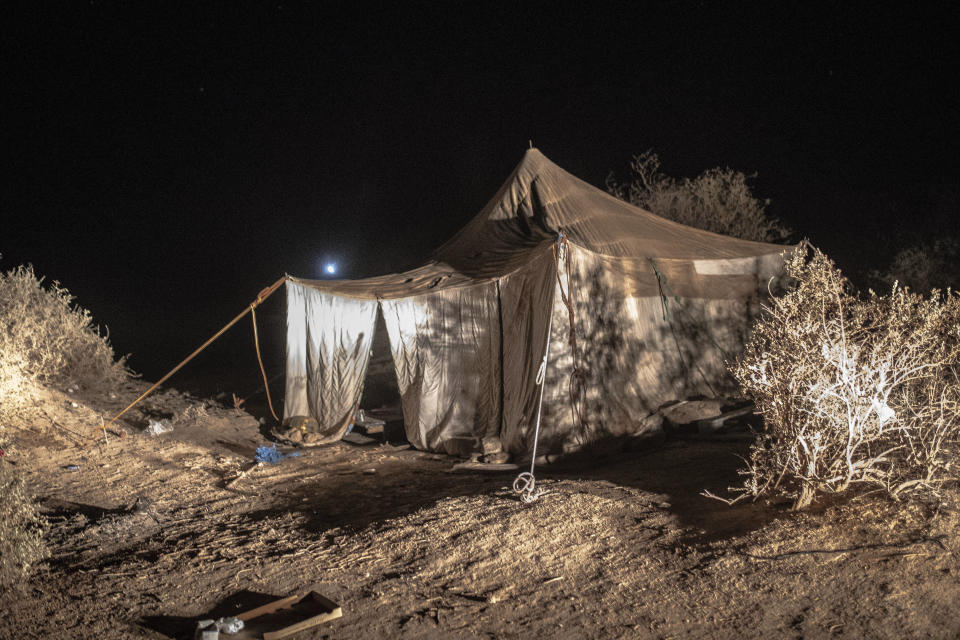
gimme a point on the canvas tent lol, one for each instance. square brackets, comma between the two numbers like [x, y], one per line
[639, 310]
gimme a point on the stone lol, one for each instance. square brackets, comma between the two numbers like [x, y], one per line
[491, 445]
[501, 457]
[690, 411]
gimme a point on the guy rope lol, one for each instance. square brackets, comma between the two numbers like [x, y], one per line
[263, 295]
[526, 483]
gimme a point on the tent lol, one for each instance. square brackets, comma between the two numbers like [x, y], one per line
[637, 311]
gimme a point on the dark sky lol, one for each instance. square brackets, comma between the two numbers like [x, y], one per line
[167, 165]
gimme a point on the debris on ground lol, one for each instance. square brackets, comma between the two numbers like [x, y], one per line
[271, 455]
[207, 630]
[358, 439]
[229, 624]
[489, 467]
[158, 427]
[369, 424]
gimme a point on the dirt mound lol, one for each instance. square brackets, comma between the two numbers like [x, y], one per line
[150, 533]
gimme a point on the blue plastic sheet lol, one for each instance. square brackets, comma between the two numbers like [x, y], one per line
[270, 454]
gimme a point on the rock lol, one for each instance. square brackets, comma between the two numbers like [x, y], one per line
[652, 423]
[549, 458]
[691, 411]
[501, 457]
[491, 445]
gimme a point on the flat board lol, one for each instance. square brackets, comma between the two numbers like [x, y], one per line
[287, 616]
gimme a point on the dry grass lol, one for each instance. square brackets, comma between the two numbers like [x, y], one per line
[854, 391]
[21, 530]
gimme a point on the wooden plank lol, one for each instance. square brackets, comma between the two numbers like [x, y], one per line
[331, 611]
[325, 602]
[270, 607]
[301, 626]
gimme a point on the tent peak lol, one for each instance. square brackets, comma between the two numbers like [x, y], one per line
[533, 155]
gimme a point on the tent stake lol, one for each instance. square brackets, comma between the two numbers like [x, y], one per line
[263, 295]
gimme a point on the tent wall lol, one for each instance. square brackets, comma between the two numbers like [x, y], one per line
[328, 347]
[634, 353]
[446, 350]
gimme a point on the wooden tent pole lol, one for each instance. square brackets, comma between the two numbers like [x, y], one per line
[263, 295]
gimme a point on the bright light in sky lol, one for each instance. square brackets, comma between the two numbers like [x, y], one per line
[331, 268]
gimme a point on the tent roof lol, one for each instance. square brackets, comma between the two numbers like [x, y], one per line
[538, 200]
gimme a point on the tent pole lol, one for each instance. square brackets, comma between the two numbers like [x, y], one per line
[263, 295]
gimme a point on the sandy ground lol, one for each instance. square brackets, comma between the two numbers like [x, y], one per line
[153, 533]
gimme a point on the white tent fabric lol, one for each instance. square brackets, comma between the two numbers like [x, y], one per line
[446, 352]
[328, 347]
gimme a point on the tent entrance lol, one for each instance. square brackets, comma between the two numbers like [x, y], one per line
[380, 399]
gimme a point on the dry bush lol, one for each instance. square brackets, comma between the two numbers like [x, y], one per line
[15, 386]
[718, 200]
[854, 391]
[21, 530]
[924, 266]
[46, 338]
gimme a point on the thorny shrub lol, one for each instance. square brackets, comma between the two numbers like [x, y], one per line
[46, 338]
[21, 530]
[924, 267]
[719, 200]
[854, 390]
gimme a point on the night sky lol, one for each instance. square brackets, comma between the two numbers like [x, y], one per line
[166, 166]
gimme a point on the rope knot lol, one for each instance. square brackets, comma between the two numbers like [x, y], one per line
[526, 485]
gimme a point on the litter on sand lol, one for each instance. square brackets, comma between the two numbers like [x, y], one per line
[211, 630]
[158, 427]
[230, 624]
[270, 455]
[369, 424]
